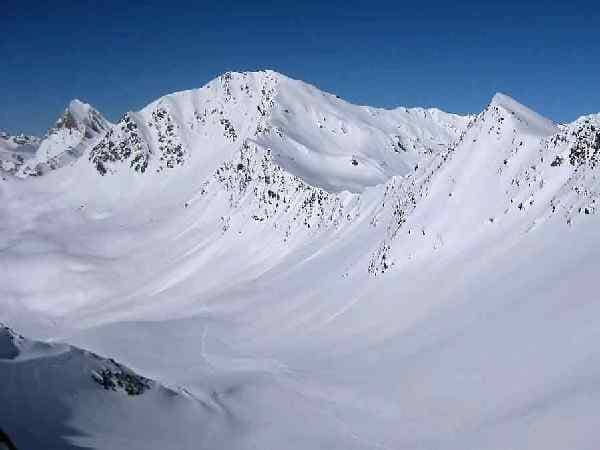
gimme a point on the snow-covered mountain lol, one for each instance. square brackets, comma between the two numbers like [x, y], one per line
[76, 129]
[316, 136]
[321, 274]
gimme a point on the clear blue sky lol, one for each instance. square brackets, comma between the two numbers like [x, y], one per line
[120, 55]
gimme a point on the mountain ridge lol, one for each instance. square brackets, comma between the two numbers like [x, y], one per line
[256, 94]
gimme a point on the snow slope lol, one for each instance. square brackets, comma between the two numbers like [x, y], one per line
[330, 275]
[55, 396]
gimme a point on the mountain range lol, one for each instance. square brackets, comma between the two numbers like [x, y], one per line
[260, 264]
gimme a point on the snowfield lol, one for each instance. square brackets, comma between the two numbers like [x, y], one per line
[257, 264]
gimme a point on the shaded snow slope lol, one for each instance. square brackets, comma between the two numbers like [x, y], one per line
[439, 293]
[50, 393]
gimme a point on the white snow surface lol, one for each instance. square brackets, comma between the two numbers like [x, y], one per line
[293, 271]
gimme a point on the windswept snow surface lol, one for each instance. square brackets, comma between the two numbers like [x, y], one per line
[292, 271]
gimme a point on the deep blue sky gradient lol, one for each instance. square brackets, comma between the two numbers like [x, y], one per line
[120, 55]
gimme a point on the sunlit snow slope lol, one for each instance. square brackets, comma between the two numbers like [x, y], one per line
[302, 273]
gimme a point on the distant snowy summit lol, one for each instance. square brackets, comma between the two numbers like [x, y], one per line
[64, 143]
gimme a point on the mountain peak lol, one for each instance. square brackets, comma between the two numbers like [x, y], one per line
[79, 108]
[500, 98]
[82, 116]
[510, 104]
[522, 113]
[65, 141]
